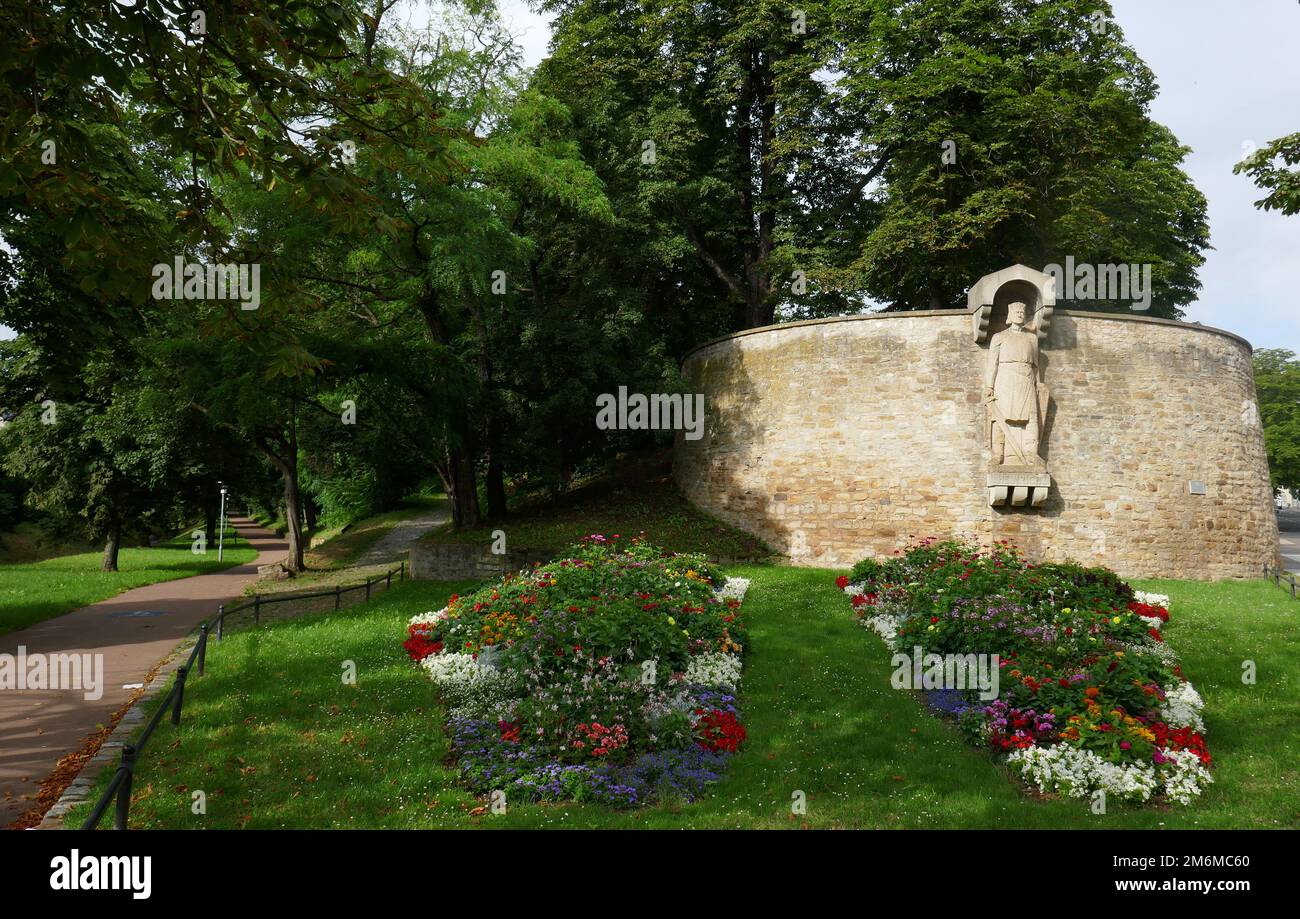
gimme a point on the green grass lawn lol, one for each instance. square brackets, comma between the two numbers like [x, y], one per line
[275, 739]
[33, 591]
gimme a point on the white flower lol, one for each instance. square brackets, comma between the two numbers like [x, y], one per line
[884, 625]
[1077, 773]
[1153, 648]
[1183, 775]
[429, 618]
[717, 669]
[469, 688]
[733, 589]
[1182, 707]
[1151, 599]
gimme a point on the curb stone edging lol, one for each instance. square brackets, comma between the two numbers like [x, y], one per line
[109, 753]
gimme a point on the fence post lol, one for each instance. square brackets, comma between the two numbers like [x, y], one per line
[257, 609]
[124, 790]
[388, 581]
[402, 576]
[181, 674]
[221, 619]
[203, 645]
[338, 593]
[367, 588]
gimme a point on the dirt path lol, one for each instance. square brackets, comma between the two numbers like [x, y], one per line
[133, 631]
[393, 544]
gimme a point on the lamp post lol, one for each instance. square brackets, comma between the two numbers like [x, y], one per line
[221, 529]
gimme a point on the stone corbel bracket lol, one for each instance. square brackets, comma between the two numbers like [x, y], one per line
[980, 299]
[1018, 489]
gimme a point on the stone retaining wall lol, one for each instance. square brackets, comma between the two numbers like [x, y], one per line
[836, 439]
[457, 562]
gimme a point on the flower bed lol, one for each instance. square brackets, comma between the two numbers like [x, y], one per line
[607, 675]
[1090, 696]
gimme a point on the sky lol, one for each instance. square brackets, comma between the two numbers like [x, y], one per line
[1229, 76]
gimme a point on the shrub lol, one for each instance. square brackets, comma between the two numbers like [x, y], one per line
[1090, 697]
[607, 674]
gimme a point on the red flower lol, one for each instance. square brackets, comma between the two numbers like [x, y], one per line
[419, 648]
[841, 582]
[1168, 738]
[1150, 612]
[509, 731]
[719, 731]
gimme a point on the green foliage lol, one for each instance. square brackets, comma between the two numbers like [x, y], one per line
[1274, 169]
[1052, 151]
[822, 151]
[629, 601]
[1277, 383]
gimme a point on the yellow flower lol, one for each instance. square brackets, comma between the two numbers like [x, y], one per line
[1115, 620]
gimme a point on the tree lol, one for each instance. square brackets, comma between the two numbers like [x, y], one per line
[270, 88]
[800, 153]
[108, 461]
[1277, 169]
[1277, 383]
[714, 120]
[1019, 132]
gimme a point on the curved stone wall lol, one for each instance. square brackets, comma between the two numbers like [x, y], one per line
[836, 439]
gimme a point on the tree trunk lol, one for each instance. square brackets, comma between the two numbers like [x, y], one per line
[496, 489]
[210, 513]
[111, 545]
[464, 489]
[293, 517]
[284, 457]
[496, 474]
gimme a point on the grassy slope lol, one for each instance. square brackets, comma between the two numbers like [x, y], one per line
[36, 540]
[660, 511]
[276, 740]
[33, 591]
[334, 552]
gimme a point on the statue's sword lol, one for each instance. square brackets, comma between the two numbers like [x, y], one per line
[992, 403]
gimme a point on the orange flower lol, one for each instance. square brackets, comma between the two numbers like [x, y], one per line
[1092, 692]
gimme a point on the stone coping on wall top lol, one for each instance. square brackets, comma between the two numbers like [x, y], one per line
[912, 314]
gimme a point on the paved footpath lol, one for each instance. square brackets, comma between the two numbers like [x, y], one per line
[40, 727]
[1288, 525]
[394, 544]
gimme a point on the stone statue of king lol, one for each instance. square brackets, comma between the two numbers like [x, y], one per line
[1012, 393]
